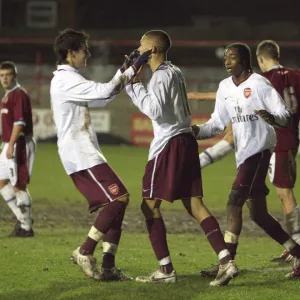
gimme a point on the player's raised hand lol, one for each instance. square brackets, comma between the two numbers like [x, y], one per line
[129, 60]
[268, 117]
[195, 130]
[141, 60]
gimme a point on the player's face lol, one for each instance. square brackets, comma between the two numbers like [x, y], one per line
[79, 58]
[232, 62]
[7, 79]
[145, 44]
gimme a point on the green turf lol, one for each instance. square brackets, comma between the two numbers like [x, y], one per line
[38, 268]
[50, 180]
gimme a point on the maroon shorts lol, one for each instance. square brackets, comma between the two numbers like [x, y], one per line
[22, 164]
[282, 169]
[251, 176]
[100, 185]
[175, 173]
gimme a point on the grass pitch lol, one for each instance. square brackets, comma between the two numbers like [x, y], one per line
[39, 268]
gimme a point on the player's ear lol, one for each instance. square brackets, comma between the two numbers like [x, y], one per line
[260, 59]
[154, 49]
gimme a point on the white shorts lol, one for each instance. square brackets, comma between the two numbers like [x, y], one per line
[11, 170]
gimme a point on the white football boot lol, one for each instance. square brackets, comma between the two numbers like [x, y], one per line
[87, 263]
[226, 273]
[158, 277]
[295, 274]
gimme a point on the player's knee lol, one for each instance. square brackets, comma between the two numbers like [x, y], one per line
[147, 209]
[124, 199]
[237, 198]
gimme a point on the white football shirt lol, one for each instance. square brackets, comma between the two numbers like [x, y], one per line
[71, 97]
[165, 103]
[237, 104]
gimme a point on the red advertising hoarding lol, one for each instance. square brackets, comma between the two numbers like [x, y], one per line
[142, 132]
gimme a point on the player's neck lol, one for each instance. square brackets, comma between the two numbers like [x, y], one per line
[155, 62]
[271, 64]
[238, 79]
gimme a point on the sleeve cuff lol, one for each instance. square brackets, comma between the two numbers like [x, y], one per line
[20, 123]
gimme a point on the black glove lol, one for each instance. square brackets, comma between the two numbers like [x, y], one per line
[141, 60]
[129, 60]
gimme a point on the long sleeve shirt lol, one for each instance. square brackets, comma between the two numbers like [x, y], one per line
[71, 97]
[165, 102]
[238, 104]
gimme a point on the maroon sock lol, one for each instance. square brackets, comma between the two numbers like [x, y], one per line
[213, 233]
[232, 249]
[273, 228]
[103, 223]
[167, 269]
[108, 261]
[112, 236]
[88, 247]
[158, 238]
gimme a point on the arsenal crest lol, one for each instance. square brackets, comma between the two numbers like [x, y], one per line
[247, 92]
[113, 189]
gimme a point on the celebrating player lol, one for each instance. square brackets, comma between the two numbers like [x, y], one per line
[282, 169]
[71, 97]
[17, 156]
[254, 108]
[173, 170]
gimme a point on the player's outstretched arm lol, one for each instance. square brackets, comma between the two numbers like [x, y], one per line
[201, 96]
[75, 87]
[218, 151]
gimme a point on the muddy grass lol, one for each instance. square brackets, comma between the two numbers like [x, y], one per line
[47, 215]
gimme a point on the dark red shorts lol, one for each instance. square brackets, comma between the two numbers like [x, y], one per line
[175, 173]
[282, 169]
[22, 163]
[100, 185]
[251, 176]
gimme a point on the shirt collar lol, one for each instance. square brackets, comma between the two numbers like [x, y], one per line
[276, 67]
[11, 90]
[66, 68]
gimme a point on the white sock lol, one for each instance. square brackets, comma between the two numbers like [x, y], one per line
[9, 196]
[165, 261]
[292, 223]
[95, 234]
[223, 254]
[24, 203]
[289, 244]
